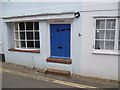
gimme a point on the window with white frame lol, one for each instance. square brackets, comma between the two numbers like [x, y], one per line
[105, 34]
[26, 35]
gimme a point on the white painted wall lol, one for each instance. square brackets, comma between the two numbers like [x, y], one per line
[0, 30]
[83, 61]
[103, 66]
[32, 8]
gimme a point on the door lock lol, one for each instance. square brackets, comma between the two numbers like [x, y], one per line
[60, 47]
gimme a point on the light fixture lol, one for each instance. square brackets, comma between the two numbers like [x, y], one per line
[77, 15]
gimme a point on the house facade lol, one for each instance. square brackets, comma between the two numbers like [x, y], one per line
[82, 38]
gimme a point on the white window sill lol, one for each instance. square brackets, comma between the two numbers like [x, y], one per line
[98, 52]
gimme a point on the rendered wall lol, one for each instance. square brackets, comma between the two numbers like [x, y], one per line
[96, 65]
[0, 30]
[83, 61]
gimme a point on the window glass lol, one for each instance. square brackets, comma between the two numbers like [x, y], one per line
[22, 25]
[16, 35]
[99, 45]
[23, 44]
[119, 45]
[37, 45]
[110, 34]
[30, 44]
[36, 26]
[110, 24]
[22, 35]
[16, 26]
[100, 34]
[36, 35]
[100, 24]
[119, 34]
[29, 25]
[109, 45]
[29, 35]
[17, 44]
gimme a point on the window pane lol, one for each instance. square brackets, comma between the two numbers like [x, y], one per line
[119, 23]
[17, 44]
[119, 34]
[16, 35]
[23, 44]
[29, 25]
[37, 35]
[30, 35]
[30, 44]
[100, 24]
[99, 44]
[36, 25]
[109, 45]
[37, 45]
[100, 34]
[16, 26]
[110, 24]
[22, 35]
[119, 45]
[110, 34]
[22, 26]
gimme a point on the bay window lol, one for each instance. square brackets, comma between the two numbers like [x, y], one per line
[26, 35]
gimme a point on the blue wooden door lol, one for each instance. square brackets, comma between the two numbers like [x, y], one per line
[60, 40]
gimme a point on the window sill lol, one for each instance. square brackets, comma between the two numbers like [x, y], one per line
[31, 51]
[106, 53]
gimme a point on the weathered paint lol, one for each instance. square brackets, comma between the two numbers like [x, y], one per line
[84, 62]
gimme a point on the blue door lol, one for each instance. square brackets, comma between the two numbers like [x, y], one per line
[60, 40]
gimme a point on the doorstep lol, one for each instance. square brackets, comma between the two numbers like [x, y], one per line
[59, 60]
[63, 72]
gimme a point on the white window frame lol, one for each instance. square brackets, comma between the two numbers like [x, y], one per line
[103, 51]
[26, 48]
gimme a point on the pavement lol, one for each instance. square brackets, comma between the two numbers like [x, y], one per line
[18, 76]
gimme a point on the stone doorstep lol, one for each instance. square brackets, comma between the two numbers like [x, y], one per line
[57, 71]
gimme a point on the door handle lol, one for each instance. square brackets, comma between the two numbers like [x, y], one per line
[60, 47]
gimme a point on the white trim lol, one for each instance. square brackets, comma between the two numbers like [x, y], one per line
[98, 52]
[48, 39]
[27, 48]
[34, 18]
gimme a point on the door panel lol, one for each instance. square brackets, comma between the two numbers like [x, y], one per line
[60, 40]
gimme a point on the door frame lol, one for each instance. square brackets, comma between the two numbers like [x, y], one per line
[58, 21]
